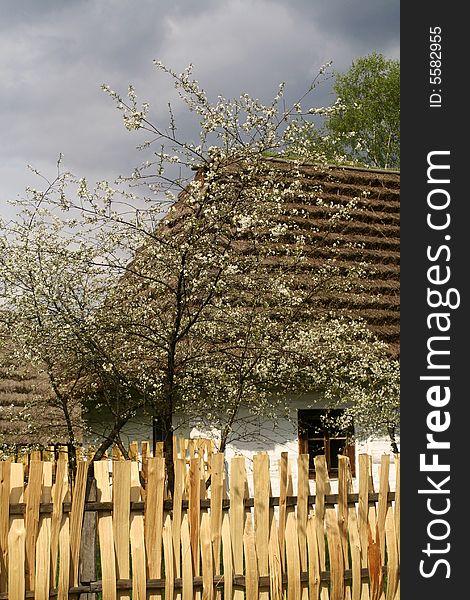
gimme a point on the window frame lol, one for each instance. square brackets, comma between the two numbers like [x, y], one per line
[304, 419]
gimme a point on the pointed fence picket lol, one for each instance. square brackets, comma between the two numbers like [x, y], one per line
[211, 541]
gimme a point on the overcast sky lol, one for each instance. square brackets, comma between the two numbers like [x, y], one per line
[55, 54]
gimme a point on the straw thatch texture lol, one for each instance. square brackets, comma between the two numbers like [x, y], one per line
[26, 415]
[373, 232]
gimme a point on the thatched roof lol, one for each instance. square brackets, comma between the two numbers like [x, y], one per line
[373, 234]
[26, 417]
[369, 234]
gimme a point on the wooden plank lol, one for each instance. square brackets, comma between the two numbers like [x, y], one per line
[397, 499]
[133, 451]
[372, 507]
[176, 447]
[33, 499]
[35, 455]
[363, 517]
[192, 449]
[393, 561]
[282, 506]
[180, 467]
[262, 488]
[187, 562]
[63, 453]
[322, 489]
[64, 559]
[121, 520]
[43, 548]
[154, 519]
[335, 551]
[169, 558]
[354, 544]
[302, 509]
[116, 453]
[160, 450]
[397, 512]
[79, 454]
[343, 468]
[59, 491]
[194, 511]
[4, 522]
[237, 516]
[105, 532]
[375, 568]
[206, 558]
[290, 484]
[313, 558]
[139, 575]
[90, 453]
[16, 537]
[227, 558]
[275, 565]
[251, 564]
[217, 489]
[202, 474]
[292, 558]
[76, 518]
[383, 502]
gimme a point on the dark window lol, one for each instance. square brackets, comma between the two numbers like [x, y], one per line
[319, 433]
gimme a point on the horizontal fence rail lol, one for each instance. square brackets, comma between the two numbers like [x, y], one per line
[112, 530]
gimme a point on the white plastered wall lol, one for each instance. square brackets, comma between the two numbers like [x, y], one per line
[251, 436]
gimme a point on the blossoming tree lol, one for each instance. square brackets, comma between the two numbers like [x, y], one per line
[197, 292]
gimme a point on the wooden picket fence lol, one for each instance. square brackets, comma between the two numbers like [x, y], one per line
[209, 541]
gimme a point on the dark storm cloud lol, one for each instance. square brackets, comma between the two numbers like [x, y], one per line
[55, 54]
[364, 25]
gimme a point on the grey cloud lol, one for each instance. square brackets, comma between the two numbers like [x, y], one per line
[363, 24]
[54, 55]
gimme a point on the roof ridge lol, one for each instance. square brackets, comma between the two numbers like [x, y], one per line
[333, 166]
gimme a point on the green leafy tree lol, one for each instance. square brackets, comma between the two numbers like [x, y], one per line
[366, 128]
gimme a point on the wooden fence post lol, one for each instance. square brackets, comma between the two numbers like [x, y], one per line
[302, 513]
[139, 572]
[343, 514]
[121, 519]
[105, 531]
[16, 537]
[33, 499]
[43, 543]
[88, 543]
[4, 522]
[217, 488]
[322, 489]
[154, 519]
[262, 485]
[237, 516]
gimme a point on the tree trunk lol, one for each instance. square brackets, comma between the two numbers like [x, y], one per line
[168, 451]
[393, 441]
[109, 439]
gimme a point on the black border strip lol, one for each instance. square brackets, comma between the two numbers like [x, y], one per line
[433, 107]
